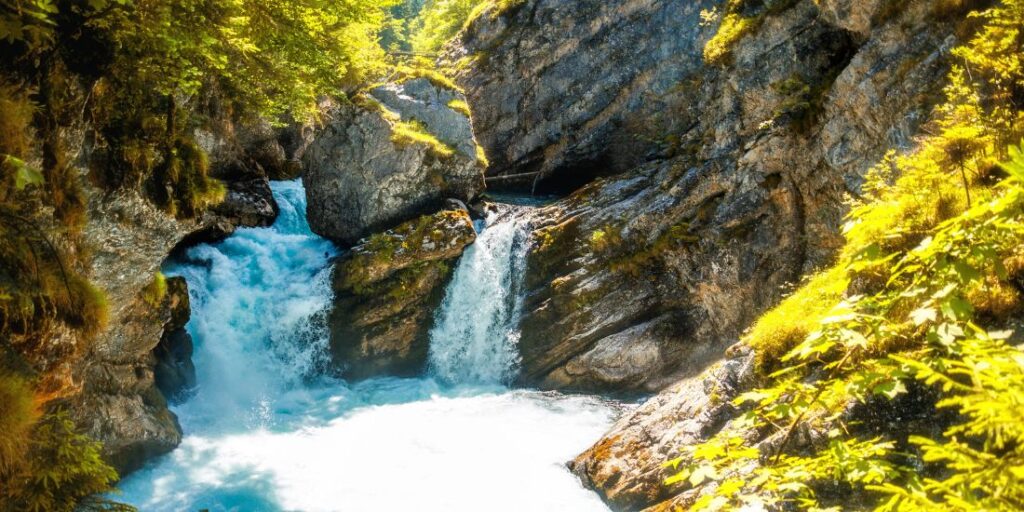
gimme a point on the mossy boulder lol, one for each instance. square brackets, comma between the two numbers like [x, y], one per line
[386, 291]
[386, 157]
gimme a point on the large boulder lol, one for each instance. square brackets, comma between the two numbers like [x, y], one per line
[395, 153]
[386, 291]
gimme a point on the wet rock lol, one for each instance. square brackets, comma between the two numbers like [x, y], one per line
[627, 465]
[386, 291]
[249, 203]
[364, 176]
[175, 375]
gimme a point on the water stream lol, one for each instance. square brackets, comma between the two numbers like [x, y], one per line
[265, 432]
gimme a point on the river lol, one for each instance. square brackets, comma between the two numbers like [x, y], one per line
[266, 431]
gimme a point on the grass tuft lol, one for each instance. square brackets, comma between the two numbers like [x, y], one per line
[413, 132]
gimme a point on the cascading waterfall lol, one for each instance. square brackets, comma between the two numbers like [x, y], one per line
[475, 336]
[264, 432]
[258, 301]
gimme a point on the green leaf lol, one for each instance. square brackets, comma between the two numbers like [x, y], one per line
[23, 174]
[702, 474]
[890, 389]
[923, 315]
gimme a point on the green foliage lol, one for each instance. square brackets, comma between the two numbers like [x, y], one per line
[481, 156]
[16, 114]
[441, 20]
[919, 326]
[913, 309]
[460, 106]
[272, 56]
[738, 19]
[423, 70]
[64, 472]
[18, 413]
[413, 132]
[779, 330]
[29, 21]
[631, 254]
[155, 291]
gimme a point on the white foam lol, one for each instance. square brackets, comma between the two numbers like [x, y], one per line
[263, 433]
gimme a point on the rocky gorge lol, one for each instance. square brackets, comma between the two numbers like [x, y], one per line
[697, 163]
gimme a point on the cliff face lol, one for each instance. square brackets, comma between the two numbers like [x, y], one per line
[574, 89]
[128, 238]
[719, 185]
[737, 170]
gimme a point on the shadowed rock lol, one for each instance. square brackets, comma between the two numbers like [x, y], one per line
[387, 289]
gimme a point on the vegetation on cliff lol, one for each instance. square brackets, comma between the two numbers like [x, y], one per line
[893, 379]
[138, 77]
[440, 20]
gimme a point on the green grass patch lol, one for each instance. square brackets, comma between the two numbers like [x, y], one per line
[413, 132]
[460, 106]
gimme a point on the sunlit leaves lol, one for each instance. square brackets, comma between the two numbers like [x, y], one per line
[24, 174]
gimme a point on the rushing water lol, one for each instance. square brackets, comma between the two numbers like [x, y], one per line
[264, 432]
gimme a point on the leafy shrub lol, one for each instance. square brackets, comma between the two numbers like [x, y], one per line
[64, 472]
[441, 20]
[738, 19]
[914, 310]
[18, 413]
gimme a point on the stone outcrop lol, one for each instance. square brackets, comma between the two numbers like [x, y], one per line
[719, 186]
[396, 153]
[627, 466]
[120, 403]
[174, 373]
[738, 171]
[386, 291]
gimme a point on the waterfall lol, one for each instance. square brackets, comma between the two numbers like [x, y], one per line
[258, 304]
[475, 334]
[264, 432]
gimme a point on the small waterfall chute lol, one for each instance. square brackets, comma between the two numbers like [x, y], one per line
[475, 335]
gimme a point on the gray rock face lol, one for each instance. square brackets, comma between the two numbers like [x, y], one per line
[427, 103]
[362, 176]
[627, 466]
[386, 291]
[643, 278]
[580, 88]
[730, 186]
[120, 403]
[175, 375]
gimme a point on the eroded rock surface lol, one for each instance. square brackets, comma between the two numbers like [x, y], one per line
[627, 466]
[644, 277]
[362, 176]
[582, 88]
[129, 238]
[386, 291]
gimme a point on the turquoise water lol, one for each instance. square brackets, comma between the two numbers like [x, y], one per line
[266, 432]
